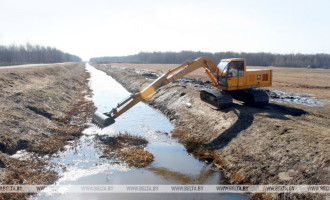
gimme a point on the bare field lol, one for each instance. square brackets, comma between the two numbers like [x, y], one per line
[301, 80]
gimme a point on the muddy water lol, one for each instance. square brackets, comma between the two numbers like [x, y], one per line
[172, 164]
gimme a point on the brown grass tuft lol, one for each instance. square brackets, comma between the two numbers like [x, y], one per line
[137, 157]
[123, 140]
[28, 172]
[127, 148]
[204, 154]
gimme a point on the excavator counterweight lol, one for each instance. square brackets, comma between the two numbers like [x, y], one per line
[230, 78]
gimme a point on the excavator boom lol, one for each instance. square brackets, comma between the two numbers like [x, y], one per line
[108, 118]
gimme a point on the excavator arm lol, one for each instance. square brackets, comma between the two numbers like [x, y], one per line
[108, 118]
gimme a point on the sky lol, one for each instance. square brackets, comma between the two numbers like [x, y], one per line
[94, 28]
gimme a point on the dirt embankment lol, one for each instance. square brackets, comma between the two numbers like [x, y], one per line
[277, 144]
[41, 109]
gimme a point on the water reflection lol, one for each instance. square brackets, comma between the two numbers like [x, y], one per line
[180, 178]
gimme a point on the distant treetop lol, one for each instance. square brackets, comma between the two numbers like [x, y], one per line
[252, 59]
[23, 54]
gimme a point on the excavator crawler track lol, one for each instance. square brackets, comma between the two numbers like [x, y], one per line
[251, 97]
[217, 98]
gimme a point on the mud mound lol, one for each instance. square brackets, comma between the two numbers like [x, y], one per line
[302, 99]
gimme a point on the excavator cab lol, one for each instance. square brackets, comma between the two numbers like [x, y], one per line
[235, 81]
[231, 73]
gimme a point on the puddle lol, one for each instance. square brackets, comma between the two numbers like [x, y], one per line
[172, 164]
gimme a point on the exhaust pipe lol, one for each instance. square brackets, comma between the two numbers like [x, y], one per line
[102, 120]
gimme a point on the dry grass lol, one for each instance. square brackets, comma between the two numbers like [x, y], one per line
[137, 157]
[27, 172]
[72, 127]
[196, 146]
[127, 148]
[42, 108]
[123, 140]
[204, 154]
[178, 133]
[56, 141]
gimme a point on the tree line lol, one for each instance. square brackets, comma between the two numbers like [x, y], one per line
[22, 54]
[252, 59]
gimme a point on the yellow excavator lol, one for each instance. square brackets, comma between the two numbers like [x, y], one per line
[230, 77]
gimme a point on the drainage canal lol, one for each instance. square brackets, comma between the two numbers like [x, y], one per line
[172, 165]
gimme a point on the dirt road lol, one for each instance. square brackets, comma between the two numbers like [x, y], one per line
[277, 144]
[39, 108]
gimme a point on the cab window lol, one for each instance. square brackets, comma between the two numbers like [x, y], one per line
[236, 69]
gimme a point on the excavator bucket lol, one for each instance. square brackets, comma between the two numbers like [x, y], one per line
[102, 120]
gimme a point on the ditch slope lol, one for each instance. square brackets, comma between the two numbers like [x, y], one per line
[42, 108]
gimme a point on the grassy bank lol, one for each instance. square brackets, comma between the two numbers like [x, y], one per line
[42, 108]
